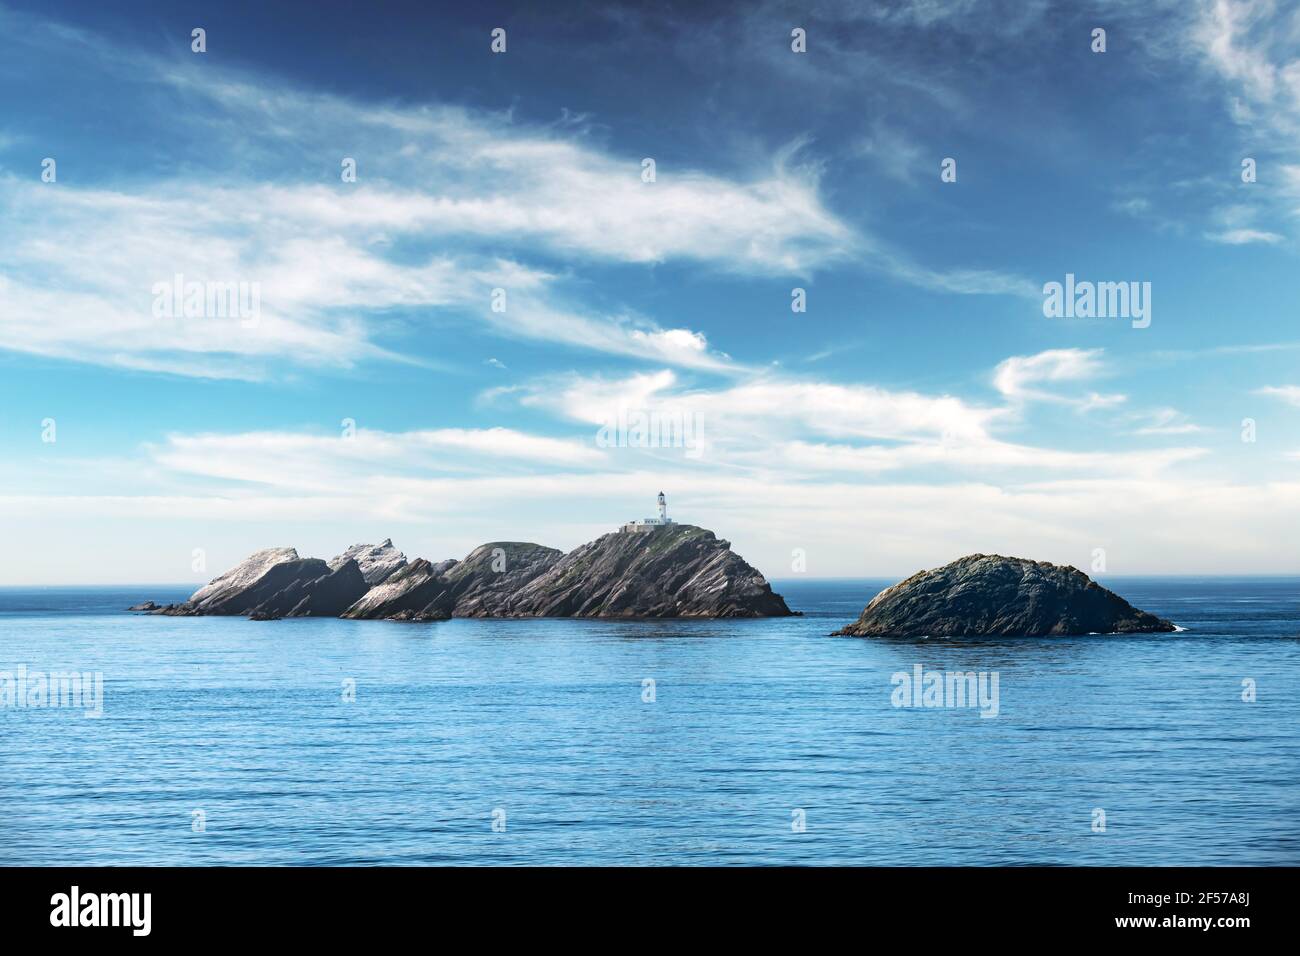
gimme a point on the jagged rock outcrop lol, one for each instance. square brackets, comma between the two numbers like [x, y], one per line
[487, 582]
[990, 595]
[276, 583]
[239, 578]
[377, 561]
[327, 595]
[409, 591]
[672, 570]
[678, 570]
[480, 586]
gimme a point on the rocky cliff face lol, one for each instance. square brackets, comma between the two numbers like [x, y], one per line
[986, 595]
[376, 561]
[239, 578]
[277, 583]
[673, 571]
[486, 583]
[677, 570]
[670, 571]
[327, 595]
[408, 594]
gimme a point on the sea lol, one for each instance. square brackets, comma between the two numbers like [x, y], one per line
[324, 742]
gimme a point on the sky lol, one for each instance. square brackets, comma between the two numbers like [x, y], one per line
[456, 344]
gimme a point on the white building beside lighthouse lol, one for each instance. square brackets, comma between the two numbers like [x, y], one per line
[649, 524]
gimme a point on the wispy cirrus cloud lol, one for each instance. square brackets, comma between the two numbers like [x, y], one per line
[1248, 45]
[450, 205]
[90, 259]
[443, 171]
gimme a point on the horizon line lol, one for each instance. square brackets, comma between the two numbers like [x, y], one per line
[1184, 575]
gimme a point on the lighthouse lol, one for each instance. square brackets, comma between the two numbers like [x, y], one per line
[649, 524]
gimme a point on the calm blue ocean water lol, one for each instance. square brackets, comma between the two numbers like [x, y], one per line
[752, 721]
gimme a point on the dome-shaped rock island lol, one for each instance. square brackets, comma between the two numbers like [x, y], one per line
[989, 595]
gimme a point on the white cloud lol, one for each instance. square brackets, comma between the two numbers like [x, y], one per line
[895, 153]
[672, 342]
[767, 405]
[320, 463]
[1287, 393]
[1241, 237]
[483, 176]
[440, 190]
[957, 281]
[1168, 421]
[1234, 36]
[980, 456]
[1249, 45]
[1017, 377]
[506, 443]
[77, 283]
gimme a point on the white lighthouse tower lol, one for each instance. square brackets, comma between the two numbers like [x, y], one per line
[649, 524]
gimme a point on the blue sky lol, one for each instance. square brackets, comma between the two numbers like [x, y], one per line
[921, 408]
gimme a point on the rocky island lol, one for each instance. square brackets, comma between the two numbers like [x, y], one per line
[654, 568]
[990, 595]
